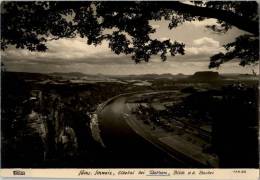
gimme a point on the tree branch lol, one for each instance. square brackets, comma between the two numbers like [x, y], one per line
[240, 22]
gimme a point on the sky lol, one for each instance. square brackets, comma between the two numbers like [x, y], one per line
[74, 55]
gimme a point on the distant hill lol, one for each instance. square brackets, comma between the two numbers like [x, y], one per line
[205, 76]
[74, 74]
[151, 76]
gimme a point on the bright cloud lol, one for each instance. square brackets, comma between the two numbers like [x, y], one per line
[204, 22]
[205, 41]
[204, 45]
[65, 49]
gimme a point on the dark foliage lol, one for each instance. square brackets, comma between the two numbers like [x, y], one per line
[245, 48]
[126, 25]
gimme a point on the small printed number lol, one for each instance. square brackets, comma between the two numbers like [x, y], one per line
[239, 171]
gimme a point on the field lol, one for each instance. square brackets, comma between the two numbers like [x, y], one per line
[49, 119]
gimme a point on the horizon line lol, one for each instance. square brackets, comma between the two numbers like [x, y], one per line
[129, 74]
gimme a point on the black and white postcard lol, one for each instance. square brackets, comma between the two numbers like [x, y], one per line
[130, 89]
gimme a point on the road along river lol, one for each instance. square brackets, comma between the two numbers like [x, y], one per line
[129, 145]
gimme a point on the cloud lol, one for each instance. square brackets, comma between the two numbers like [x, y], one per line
[63, 49]
[65, 55]
[204, 22]
[204, 46]
[77, 48]
[205, 41]
[71, 52]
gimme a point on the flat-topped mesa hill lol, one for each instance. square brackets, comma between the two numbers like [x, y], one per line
[205, 76]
